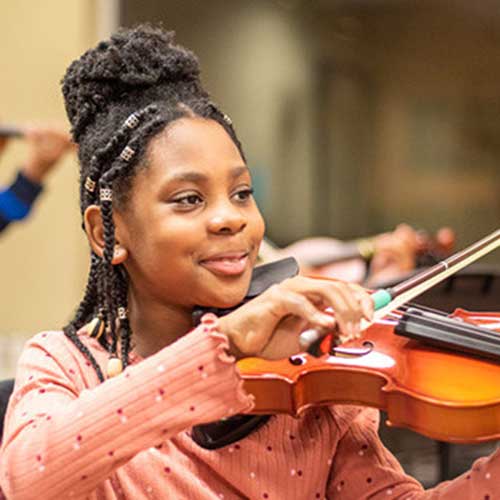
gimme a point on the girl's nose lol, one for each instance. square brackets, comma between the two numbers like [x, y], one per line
[227, 220]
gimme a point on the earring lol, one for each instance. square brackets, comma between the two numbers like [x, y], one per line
[119, 252]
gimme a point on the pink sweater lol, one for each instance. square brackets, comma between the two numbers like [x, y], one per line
[69, 437]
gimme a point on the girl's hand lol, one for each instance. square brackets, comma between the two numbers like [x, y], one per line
[269, 326]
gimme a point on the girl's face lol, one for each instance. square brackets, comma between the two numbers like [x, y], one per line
[191, 228]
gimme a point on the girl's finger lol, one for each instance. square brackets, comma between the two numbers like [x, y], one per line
[288, 302]
[334, 294]
[365, 300]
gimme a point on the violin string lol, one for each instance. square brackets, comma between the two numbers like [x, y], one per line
[417, 307]
[396, 316]
[420, 307]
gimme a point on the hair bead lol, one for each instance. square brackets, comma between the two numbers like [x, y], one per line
[122, 313]
[127, 153]
[95, 327]
[105, 194]
[114, 368]
[90, 185]
[132, 121]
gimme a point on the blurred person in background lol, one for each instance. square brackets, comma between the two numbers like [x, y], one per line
[46, 146]
[369, 260]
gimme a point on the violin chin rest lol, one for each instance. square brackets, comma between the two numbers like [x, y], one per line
[228, 431]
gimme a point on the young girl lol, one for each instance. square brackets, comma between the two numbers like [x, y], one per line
[104, 409]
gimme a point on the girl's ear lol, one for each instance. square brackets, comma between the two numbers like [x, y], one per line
[95, 234]
[94, 228]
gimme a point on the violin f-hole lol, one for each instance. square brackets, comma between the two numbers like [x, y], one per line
[297, 359]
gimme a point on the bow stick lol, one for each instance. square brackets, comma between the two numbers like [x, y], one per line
[387, 300]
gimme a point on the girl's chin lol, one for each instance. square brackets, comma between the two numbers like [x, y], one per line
[224, 301]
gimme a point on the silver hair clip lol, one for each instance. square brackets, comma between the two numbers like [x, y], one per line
[105, 194]
[132, 121]
[89, 185]
[127, 153]
[227, 119]
[122, 313]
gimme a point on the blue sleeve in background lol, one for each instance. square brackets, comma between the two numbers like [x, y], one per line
[16, 200]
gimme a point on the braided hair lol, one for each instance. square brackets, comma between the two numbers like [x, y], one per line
[118, 96]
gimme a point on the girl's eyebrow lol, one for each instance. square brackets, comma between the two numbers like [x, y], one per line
[198, 177]
[238, 172]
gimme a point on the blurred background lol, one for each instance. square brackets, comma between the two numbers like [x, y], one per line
[355, 115]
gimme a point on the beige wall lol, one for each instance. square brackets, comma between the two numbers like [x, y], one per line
[437, 120]
[412, 119]
[43, 261]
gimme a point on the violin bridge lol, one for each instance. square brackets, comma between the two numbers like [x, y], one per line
[352, 352]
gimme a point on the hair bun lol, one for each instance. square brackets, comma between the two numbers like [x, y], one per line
[132, 61]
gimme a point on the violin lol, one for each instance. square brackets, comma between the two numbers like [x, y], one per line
[443, 394]
[431, 372]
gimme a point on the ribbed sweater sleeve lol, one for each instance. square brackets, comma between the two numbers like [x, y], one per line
[363, 468]
[62, 440]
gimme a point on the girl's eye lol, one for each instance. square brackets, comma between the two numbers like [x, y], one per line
[188, 201]
[244, 194]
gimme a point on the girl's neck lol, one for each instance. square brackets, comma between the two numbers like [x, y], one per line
[156, 325]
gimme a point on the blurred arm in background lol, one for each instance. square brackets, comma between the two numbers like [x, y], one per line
[46, 147]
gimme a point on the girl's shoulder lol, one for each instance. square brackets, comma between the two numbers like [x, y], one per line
[52, 351]
[56, 341]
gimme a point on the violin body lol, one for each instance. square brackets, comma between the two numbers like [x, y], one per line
[442, 394]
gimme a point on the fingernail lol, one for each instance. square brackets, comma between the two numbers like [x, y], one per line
[324, 319]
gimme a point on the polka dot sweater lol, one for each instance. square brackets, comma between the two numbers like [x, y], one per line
[69, 437]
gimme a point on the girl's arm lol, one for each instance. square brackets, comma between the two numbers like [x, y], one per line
[61, 440]
[364, 468]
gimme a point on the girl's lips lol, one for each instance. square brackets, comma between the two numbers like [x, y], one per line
[226, 266]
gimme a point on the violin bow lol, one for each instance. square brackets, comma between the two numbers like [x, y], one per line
[389, 299]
